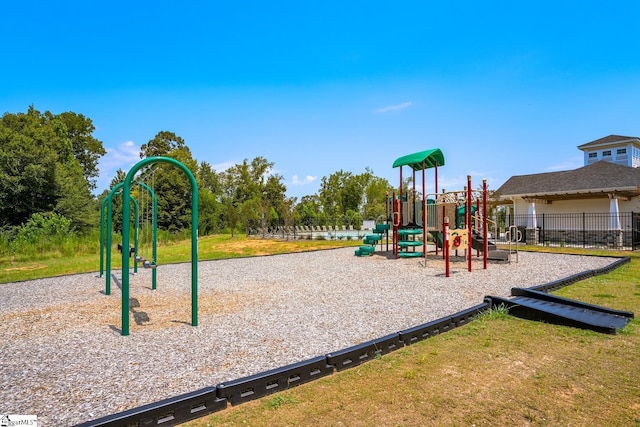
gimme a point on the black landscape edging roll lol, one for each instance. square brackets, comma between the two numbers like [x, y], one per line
[426, 330]
[360, 353]
[465, 316]
[613, 266]
[169, 412]
[557, 284]
[264, 383]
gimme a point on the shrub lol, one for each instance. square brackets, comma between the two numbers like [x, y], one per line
[42, 226]
[44, 232]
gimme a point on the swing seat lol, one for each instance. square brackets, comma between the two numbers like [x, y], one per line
[131, 249]
[148, 264]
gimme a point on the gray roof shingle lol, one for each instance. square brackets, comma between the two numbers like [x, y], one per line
[599, 177]
[608, 140]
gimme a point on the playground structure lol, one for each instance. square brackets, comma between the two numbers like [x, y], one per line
[106, 235]
[454, 220]
[408, 222]
[128, 250]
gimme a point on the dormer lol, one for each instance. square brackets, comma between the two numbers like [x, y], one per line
[623, 150]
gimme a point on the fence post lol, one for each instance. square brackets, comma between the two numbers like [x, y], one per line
[584, 231]
[633, 231]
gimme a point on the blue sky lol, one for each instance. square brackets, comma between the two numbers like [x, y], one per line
[502, 88]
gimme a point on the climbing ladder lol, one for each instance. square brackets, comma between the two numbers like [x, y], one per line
[371, 240]
[408, 242]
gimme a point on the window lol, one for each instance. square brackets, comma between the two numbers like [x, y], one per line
[621, 151]
[606, 153]
[593, 155]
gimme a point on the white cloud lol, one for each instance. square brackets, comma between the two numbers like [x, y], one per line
[395, 107]
[295, 180]
[123, 156]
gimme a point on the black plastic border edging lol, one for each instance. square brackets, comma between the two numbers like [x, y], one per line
[167, 412]
[557, 284]
[427, 330]
[273, 381]
[180, 409]
[189, 406]
[360, 353]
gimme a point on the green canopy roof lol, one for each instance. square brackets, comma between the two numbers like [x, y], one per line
[415, 160]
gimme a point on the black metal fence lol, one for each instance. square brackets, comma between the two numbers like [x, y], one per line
[585, 230]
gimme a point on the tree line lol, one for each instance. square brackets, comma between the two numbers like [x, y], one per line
[49, 166]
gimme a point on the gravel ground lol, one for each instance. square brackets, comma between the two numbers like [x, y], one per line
[63, 359]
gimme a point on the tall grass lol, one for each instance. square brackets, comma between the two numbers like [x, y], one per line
[19, 247]
[48, 247]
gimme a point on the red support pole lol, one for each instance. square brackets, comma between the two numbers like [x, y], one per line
[485, 228]
[445, 244]
[444, 212]
[477, 227]
[401, 219]
[386, 207]
[469, 204]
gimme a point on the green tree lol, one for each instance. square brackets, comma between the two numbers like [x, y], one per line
[252, 190]
[210, 213]
[348, 198]
[170, 184]
[27, 168]
[163, 144]
[376, 192]
[116, 201]
[76, 195]
[209, 200]
[249, 213]
[39, 170]
[86, 148]
[307, 212]
[341, 192]
[231, 215]
[208, 179]
[331, 193]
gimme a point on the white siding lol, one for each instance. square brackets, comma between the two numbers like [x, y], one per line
[631, 157]
[577, 206]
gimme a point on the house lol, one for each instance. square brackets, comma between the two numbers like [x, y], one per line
[623, 150]
[596, 203]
